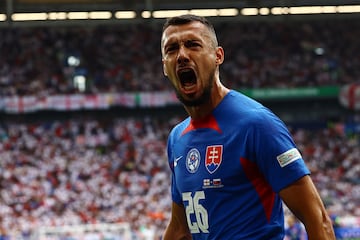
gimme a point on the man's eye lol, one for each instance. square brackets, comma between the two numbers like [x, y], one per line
[170, 49]
[192, 44]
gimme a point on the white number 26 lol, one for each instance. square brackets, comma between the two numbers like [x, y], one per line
[195, 207]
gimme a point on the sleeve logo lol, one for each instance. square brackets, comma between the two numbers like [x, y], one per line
[288, 157]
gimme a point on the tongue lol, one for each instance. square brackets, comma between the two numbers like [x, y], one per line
[189, 83]
[189, 86]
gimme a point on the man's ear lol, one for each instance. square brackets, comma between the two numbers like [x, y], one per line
[219, 55]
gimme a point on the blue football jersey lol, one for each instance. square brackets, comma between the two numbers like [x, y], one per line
[228, 168]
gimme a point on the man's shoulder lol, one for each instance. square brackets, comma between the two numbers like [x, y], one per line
[179, 127]
[237, 100]
[237, 105]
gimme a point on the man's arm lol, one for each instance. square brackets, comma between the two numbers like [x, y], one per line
[177, 228]
[304, 201]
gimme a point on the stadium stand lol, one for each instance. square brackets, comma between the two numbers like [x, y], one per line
[86, 170]
[45, 60]
[79, 168]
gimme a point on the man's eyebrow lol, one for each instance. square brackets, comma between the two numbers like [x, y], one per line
[193, 40]
[171, 44]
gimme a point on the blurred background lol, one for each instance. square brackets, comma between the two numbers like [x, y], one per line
[85, 109]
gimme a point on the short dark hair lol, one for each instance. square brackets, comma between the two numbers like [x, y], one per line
[188, 18]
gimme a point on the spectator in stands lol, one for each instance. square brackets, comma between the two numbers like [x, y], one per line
[295, 229]
[50, 170]
[44, 60]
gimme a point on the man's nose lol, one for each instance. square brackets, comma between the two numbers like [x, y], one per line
[182, 55]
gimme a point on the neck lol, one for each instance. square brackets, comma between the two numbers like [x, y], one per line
[217, 94]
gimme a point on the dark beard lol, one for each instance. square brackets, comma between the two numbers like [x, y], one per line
[205, 96]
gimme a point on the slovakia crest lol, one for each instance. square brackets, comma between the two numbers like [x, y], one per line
[193, 160]
[213, 158]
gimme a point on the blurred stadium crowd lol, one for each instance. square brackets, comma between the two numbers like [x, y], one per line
[89, 171]
[126, 57]
[86, 170]
[83, 171]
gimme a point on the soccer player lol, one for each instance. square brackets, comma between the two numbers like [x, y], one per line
[233, 161]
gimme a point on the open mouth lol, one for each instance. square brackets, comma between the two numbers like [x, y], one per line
[187, 78]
